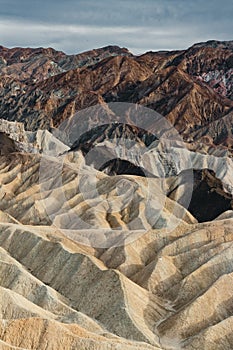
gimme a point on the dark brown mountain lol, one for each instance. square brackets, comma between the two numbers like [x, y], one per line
[43, 87]
[192, 88]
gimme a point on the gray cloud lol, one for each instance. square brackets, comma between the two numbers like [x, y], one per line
[76, 25]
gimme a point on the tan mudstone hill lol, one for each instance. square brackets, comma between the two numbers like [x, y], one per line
[169, 286]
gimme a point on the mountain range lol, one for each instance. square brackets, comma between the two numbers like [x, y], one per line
[116, 204]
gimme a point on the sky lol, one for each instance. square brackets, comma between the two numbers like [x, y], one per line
[75, 26]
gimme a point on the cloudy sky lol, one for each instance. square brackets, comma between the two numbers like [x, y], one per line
[140, 25]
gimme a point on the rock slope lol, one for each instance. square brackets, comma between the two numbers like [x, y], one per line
[105, 245]
[192, 88]
[168, 287]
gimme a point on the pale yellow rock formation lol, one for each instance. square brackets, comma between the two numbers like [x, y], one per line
[170, 287]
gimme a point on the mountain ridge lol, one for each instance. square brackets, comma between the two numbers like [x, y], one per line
[116, 199]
